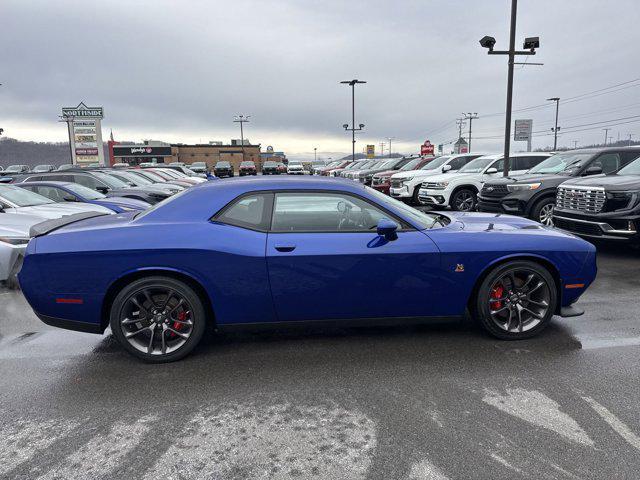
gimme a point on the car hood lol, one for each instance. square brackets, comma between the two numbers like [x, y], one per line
[148, 189]
[609, 182]
[491, 222]
[417, 173]
[57, 210]
[18, 224]
[531, 178]
[386, 173]
[448, 177]
[123, 201]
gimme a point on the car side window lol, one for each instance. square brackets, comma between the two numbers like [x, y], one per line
[609, 162]
[499, 165]
[324, 212]
[628, 157]
[458, 163]
[249, 211]
[51, 193]
[86, 181]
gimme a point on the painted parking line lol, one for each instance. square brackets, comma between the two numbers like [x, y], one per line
[21, 441]
[103, 453]
[536, 408]
[615, 423]
[589, 343]
[278, 441]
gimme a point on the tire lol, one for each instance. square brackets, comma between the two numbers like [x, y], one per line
[542, 211]
[415, 200]
[464, 200]
[171, 342]
[500, 316]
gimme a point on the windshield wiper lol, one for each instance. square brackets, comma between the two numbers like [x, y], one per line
[438, 219]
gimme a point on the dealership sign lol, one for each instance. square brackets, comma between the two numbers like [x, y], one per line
[427, 148]
[85, 133]
[371, 151]
[522, 130]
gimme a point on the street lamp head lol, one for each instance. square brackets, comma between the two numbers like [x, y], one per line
[362, 125]
[531, 43]
[346, 126]
[352, 82]
[553, 99]
[487, 42]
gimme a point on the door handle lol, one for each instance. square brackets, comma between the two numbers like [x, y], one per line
[285, 248]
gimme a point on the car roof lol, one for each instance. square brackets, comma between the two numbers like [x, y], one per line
[45, 182]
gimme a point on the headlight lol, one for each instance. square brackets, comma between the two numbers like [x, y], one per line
[440, 185]
[521, 187]
[408, 179]
[15, 240]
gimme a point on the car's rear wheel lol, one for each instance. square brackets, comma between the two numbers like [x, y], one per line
[158, 319]
[464, 200]
[516, 300]
[543, 211]
[415, 200]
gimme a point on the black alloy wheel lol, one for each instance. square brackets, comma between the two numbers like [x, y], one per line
[516, 300]
[158, 319]
[464, 200]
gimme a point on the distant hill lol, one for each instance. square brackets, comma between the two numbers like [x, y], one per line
[14, 152]
[361, 156]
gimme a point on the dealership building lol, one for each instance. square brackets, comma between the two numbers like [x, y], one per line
[161, 152]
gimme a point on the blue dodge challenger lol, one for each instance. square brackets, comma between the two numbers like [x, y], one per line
[284, 251]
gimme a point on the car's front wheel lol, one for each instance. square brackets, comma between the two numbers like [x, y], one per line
[516, 300]
[158, 319]
[464, 200]
[543, 211]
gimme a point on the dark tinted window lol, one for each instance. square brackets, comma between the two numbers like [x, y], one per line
[609, 162]
[458, 163]
[324, 212]
[86, 181]
[250, 211]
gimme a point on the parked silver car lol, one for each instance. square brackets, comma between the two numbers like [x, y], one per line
[14, 236]
[16, 200]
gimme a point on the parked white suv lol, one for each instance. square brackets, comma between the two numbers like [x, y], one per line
[405, 185]
[460, 190]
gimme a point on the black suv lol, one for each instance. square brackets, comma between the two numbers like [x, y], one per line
[101, 182]
[533, 195]
[223, 169]
[606, 207]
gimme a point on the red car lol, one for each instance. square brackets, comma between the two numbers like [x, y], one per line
[247, 167]
[381, 182]
[340, 166]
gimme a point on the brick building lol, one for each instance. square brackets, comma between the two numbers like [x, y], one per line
[211, 153]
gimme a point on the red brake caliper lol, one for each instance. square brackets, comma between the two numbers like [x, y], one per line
[182, 316]
[497, 292]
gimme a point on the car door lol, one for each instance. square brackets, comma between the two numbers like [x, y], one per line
[326, 261]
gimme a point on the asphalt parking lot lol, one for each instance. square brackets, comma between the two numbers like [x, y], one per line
[430, 402]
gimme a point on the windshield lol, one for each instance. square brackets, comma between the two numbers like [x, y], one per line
[14, 168]
[41, 168]
[477, 165]
[85, 192]
[152, 177]
[270, 164]
[247, 163]
[421, 219]
[562, 162]
[21, 197]
[223, 165]
[436, 162]
[411, 165]
[388, 164]
[632, 169]
[198, 164]
[111, 181]
[137, 179]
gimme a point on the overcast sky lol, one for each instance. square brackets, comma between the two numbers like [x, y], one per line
[180, 70]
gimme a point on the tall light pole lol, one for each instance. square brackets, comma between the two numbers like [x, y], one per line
[241, 119]
[555, 130]
[630, 135]
[353, 128]
[529, 46]
[471, 117]
[315, 154]
[606, 135]
[389, 140]
[575, 144]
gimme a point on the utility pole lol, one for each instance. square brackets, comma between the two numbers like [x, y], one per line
[606, 133]
[630, 135]
[382, 144]
[575, 144]
[353, 128]
[315, 154]
[471, 117]
[555, 130]
[461, 125]
[389, 140]
[530, 45]
[241, 119]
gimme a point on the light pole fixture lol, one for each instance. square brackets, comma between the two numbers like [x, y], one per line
[529, 46]
[556, 128]
[353, 128]
[315, 154]
[241, 119]
[471, 117]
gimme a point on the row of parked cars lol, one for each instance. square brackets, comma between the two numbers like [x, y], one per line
[27, 199]
[590, 192]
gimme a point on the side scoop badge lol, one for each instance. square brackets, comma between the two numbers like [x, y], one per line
[459, 268]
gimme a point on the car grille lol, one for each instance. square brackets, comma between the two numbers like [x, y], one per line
[582, 199]
[396, 183]
[429, 185]
[378, 181]
[496, 191]
[577, 227]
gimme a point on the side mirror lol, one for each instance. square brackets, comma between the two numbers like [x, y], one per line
[1, 208]
[102, 189]
[491, 171]
[446, 168]
[594, 170]
[69, 198]
[387, 229]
